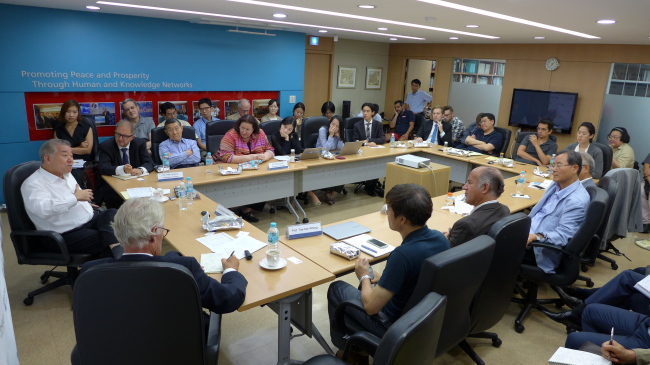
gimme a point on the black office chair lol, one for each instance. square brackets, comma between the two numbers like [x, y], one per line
[569, 268]
[493, 297]
[270, 127]
[349, 128]
[309, 131]
[610, 185]
[506, 133]
[444, 274]
[158, 135]
[407, 341]
[36, 247]
[520, 138]
[141, 313]
[214, 132]
[608, 155]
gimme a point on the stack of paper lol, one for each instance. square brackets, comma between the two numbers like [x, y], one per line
[363, 243]
[564, 356]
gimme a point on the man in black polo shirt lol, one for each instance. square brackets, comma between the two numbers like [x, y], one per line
[409, 208]
[403, 123]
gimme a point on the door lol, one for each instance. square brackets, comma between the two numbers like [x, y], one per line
[318, 78]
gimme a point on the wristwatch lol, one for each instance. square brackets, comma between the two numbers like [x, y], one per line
[539, 236]
[364, 277]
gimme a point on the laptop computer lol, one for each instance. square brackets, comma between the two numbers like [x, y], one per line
[345, 230]
[310, 153]
[349, 148]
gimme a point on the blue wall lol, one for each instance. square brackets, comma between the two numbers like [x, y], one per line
[193, 56]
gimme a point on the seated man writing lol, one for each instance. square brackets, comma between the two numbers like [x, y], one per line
[409, 208]
[538, 149]
[55, 202]
[182, 152]
[483, 187]
[485, 139]
[559, 213]
[139, 225]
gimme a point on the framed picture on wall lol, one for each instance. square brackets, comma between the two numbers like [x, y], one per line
[373, 78]
[347, 78]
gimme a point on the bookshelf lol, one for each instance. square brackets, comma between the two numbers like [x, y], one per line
[478, 71]
[629, 79]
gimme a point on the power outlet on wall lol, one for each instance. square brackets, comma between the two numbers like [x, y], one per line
[292, 98]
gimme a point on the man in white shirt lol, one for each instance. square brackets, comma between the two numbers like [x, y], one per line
[55, 202]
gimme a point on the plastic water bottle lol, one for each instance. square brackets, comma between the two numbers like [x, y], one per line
[521, 182]
[446, 147]
[182, 197]
[552, 163]
[165, 161]
[500, 161]
[292, 156]
[273, 235]
[189, 190]
[392, 140]
[449, 200]
[208, 163]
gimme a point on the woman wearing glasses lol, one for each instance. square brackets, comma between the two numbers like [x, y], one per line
[586, 134]
[623, 153]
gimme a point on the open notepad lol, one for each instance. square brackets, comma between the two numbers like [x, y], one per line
[564, 356]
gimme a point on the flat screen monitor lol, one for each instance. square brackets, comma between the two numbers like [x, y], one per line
[530, 106]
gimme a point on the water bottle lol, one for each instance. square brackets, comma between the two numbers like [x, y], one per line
[500, 161]
[208, 163]
[449, 200]
[273, 235]
[182, 197]
[521, 182]
[552, 163]
[165, 161]
[292, 156]
[189, 190]
[392, 140]
[446, 147]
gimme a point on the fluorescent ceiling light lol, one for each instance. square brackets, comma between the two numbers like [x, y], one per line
[382, 28]
[322, 31]
[279, 15]
[539, 37]
[471, 26]
[506, 17]
[367, 6]
[359, 17]
[394, 39]
[453, 37]
[91, 7]
[606, 21]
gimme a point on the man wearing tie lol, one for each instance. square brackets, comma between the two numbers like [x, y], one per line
[124, 154]
[435, 131]
[368, 130]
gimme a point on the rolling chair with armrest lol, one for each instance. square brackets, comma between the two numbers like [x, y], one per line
[37, 247]
[270, 127]
[158, 135]
[506, 133]
[349, 128]
[214, 132]
[153, 308]
[309, 131]
[569, 267]
[608, 155]
[407, 341]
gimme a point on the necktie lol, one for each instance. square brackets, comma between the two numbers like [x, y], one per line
[125, 157]
[434, 135]
[367, 130]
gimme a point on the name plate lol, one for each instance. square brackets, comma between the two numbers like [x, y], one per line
[278, 165]
[304, 230]
[169, 176]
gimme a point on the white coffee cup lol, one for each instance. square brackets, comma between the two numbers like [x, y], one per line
[272, 258]
[158, 194]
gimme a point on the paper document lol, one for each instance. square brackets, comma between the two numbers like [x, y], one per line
[140, 192]
[282, 158]
[643, 286]
[564, 356]
[129, 176]
[78, 164]
[460, 207]
[378, 147]
[540, 185]
[214, 241]
[218, 244]
[369, 245]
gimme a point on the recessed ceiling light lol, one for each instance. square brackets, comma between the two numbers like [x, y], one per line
[471, 26]
[279, 15]
[606, 21]
[453, 37]
[322, 31]
[367, 6]
[539, 37]
[492, 14]
[202, 13]
[382, 28]
[91, 7]
[394, 39]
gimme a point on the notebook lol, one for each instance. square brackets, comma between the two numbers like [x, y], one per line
[345, 230]
[310, 153]
[350, 148]
[564, 356]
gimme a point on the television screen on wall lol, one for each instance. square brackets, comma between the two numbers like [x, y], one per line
[530, 106]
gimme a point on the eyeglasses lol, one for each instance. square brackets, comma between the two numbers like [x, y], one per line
[613, 137]
[166, 231]
[205, 109]
[125, 136]
[558, 166]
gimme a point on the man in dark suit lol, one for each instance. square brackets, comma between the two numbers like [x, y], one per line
[138, 226]
[121, 155]
[483, 187]
[443, 129]
[371, 132]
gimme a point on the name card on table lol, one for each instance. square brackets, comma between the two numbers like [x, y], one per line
[304, 230]
[169, 176]
[278, 165]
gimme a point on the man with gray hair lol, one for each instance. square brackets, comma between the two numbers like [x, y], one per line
[55, 202]
[483, 187]
[243, 108]
[139, 226]
[588, 165]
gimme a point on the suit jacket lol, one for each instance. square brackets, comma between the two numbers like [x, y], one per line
[477, 223]
[219, 297]
[110, 157]
[425, 130]
[377, 132]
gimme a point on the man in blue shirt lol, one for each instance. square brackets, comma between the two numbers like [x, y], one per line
[403, 122]
[560, 212]
[206, 108]
[418, 100]
[182, 152]
[409, 208]
[486, 139]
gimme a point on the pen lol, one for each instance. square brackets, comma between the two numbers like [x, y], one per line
[611, 337]
[231, 254]
[369, 249]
